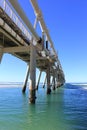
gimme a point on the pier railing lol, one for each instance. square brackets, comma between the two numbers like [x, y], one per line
[15, 18]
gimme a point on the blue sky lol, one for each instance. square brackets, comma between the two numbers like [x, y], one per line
[67, 23]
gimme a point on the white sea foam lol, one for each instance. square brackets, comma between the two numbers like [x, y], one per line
[85, 87]
[81, 84]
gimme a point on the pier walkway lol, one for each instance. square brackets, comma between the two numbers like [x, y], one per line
[19, 38]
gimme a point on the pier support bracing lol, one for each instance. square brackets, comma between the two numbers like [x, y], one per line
[1, 52]
[26, 79]
[48, 80]
[38, 80]
[32, 74]
[44, 81]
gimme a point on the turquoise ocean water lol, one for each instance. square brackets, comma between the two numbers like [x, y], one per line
[64, 109]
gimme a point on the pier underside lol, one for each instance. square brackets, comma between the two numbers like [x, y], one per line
[17, 41]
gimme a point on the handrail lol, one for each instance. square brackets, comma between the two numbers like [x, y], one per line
[16, 19]
[11, 12]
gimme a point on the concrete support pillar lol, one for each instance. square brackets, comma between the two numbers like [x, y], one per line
[32, 74]
[54, 80]
[57, 79]
[32, 85]
[48, 80]
[38, 80]
[26, 79]
[47, 45]
[44, 81]
[42, 40]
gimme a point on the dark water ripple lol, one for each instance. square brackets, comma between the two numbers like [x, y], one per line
[75, 106]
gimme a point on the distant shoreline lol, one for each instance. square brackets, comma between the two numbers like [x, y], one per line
[10, 84]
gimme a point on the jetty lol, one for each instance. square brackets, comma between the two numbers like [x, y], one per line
[19, 38]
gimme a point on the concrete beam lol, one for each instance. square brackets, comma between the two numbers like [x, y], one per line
[7, 35]
[16, 49]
